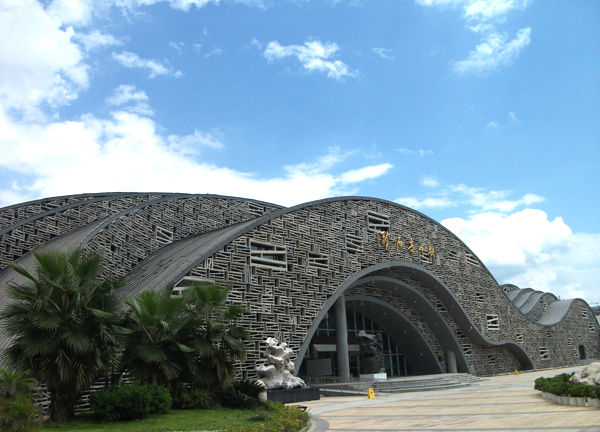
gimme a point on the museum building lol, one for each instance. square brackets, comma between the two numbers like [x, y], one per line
[313, 276]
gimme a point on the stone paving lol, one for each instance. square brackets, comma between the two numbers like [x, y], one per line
[502, 403]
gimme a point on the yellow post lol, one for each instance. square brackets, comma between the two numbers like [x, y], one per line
[371, 394]
[516, 372]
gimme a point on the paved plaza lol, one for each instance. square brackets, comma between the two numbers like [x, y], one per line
[502, 403]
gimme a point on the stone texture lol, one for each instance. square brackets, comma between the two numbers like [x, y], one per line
[279, 371]
[589, 375]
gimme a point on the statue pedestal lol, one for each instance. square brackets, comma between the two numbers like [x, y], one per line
[294, 395]
[374, 377]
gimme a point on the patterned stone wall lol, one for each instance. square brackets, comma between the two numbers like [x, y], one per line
[283, 300]
[285, 269]
[541, 305]
[132, 236]
[17, 213]
[55, 220]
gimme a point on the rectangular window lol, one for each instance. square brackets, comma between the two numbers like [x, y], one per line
[467, 349]
[354, 243]
[268, 255]
[440, 306]
[584, 313]
[519, 337]
[544, 353]
[452, 256]
[378, 222]
[470, 258]
[493, 322]
[479, 297]
[163, 235]
[318, 260]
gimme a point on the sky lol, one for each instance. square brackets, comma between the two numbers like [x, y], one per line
[482, 114]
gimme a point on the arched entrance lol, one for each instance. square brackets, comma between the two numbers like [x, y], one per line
[423, 340]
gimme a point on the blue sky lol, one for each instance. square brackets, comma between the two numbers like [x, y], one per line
[482, 114]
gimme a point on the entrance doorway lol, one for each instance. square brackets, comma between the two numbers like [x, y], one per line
[323, 345]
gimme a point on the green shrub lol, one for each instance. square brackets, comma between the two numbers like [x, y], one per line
[160, 399]
[121, 403]
[282, 419]
[563, 388]
[17, 414]
[539, 383]
[580, 390]
[232, 398]
[192, 398]
[564, 377]
[248, 387]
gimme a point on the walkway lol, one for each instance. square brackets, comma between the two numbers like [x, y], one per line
[503, 403]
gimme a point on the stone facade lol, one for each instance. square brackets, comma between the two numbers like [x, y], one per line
[288, 266]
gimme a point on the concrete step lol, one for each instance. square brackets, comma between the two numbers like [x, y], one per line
[402, 385]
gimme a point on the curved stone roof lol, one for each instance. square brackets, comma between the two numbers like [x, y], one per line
[155, 239]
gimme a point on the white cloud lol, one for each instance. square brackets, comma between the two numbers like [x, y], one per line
[476, 199]
[313, 55]
[479, 10]
[72, 12]
[192, 144]
[513, 116]
[429, 181]
[135, 100]
[494, 52]
[127, 152]
[419, 152]
[529, 250]
[483, 10]
[492, 200]
[214, 52]
[185, 5]
[426, 203]
[177, 46]
[492, 124]
[39, 62]
[483, 16]
[132, 60]
[96, 39]
[384, 53]
[366, 173]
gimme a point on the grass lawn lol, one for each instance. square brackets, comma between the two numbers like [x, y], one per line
[176, 420]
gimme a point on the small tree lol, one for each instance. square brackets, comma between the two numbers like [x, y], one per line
[16, 407]
[63, 324]
[191, 338]
[213, 333]
[154, 352]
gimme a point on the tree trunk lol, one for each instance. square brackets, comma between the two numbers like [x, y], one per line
[58, 412]
[62, 405]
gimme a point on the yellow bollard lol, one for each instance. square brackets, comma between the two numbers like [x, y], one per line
[516, 372]
[371, 394]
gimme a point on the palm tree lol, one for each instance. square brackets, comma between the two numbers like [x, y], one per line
[153, 352]
[213, 333]
[16, 405]
[63, 324]
[191, 338]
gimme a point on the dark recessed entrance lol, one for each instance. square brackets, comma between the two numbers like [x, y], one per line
[323, 347]
[405, 351]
